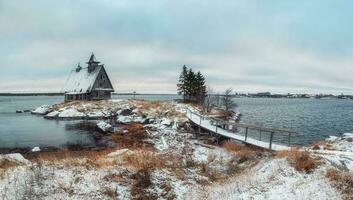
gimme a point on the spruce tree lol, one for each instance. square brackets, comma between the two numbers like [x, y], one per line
[200, 87]
[190, 85]
[181, 84]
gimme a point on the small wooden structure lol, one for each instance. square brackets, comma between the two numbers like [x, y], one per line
[88, 83]
[226, 129]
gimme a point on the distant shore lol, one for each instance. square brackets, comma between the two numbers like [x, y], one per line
[61, 94]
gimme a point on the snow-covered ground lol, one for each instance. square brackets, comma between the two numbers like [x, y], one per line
[271, 179]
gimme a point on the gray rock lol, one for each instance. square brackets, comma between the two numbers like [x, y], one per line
[125, 111]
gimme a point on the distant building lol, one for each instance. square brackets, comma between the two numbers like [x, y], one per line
[88, 83]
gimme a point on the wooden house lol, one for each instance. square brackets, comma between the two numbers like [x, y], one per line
[88, 83]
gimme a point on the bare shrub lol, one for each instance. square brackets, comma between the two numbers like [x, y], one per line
[343, 181]
[301, 160]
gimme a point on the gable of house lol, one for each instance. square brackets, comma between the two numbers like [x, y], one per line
[102, 81]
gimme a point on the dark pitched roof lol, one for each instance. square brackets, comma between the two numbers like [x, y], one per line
[92, 59]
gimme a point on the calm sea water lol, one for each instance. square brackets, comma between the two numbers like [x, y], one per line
[315, 119]
[26, 130]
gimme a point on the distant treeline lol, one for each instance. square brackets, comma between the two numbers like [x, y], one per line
[31, 94]
[61, 94]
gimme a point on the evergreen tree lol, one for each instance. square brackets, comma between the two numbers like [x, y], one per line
[182, 79]
[200, 87]
[192, 85]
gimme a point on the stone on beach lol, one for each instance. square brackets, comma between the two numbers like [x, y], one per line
[125, 111]
[105, 127]
[52, 115]
[35, 149]
[42, 110]
[15, 157]
[124, 119]
[71, 113]
[166, 122]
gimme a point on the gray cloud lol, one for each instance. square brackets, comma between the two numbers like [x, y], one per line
[247, 45]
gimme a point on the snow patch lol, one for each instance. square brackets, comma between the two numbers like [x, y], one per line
[105, 127]
[42, 110]
[35, 149]
[71, 113]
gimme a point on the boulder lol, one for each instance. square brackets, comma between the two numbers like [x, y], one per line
[35, 149]
[52, 115]
[71, 113]
[125, 112]
[105, 127]
[166, 122]
[42, 110]
[19, 111]
[15, 157]
[124, 119]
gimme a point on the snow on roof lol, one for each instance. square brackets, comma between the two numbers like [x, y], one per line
[81, 81]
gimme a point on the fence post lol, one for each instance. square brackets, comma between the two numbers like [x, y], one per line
[260, 134]
[216, 126]
[271, 138]
[246, 133]
[200, 125]
[289, 136]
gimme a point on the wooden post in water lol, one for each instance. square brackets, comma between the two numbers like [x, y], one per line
[271, 138]
[246, 133]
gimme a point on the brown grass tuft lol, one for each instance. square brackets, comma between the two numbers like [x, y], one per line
[134, 138]
[157, 108]
[343, 181]
[147, 160]
[88, 158]
[244, 152]
[301, 160]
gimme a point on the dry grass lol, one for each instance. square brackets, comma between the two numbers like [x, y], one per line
[157, 108]
[301, 160]
[343, 181]
[97, 103]
[75, 158]
[147, 160]
[134, 138]
[244, 152]
[6, 164]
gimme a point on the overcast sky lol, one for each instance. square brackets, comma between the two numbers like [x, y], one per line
[276, 45]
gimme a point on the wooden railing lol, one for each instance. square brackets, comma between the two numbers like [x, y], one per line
[219, 123]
